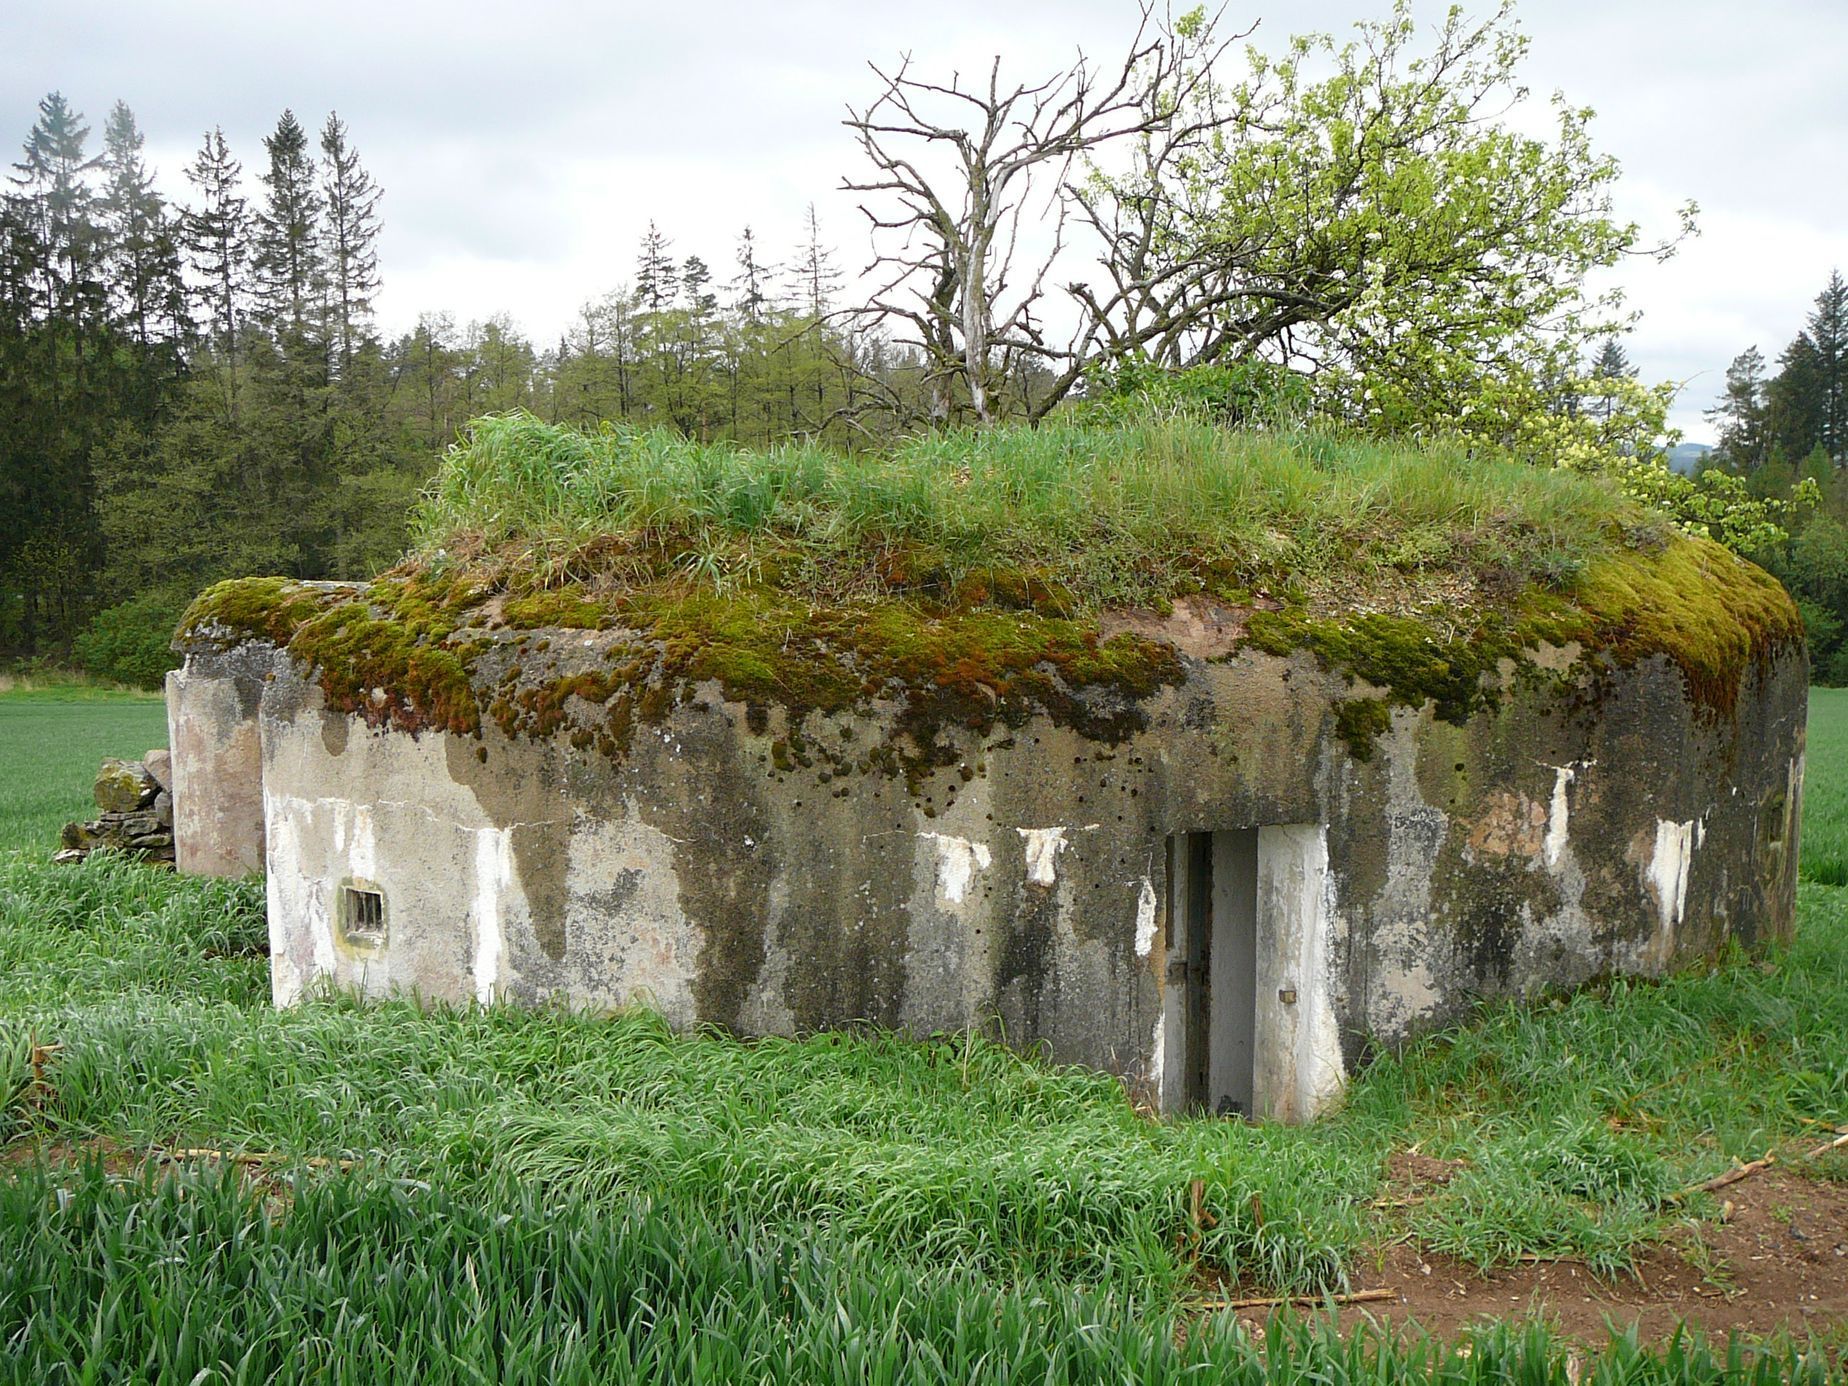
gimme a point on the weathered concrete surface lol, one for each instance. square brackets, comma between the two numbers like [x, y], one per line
[217, 760]
[1588, 826]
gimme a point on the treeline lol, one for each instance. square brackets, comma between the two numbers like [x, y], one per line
[198, 389]
[1786, 433]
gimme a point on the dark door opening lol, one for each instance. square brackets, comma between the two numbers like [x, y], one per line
[1213, 890]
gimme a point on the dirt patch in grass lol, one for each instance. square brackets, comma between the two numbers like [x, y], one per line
[1776, 1259]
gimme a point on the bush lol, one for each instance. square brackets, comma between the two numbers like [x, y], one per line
[1248, 392]
[131, 642]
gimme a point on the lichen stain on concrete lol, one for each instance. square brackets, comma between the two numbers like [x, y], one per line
[1145, 919]
[958, 859]
[1510, 824]
[1043, 848]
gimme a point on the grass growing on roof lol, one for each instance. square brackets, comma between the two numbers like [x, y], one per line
[1111, 516]
[960, 575]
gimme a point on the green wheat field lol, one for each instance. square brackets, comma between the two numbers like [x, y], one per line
[511, 1196]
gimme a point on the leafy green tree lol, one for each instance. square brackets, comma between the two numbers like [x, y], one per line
[1363, 213]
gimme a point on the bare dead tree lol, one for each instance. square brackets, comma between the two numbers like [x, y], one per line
[946, 241]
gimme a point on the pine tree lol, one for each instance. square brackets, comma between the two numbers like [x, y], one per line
[216, 235]
[1741, 413]
[143, 252]
[1828, 331]
[813, 278]
[1796, 399]
[655, 280]
[750, 299]
[289, 278]
[351, 239]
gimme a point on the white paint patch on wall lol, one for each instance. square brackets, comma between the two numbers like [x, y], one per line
[958, 859]
[1145, 922]
[1043, 848]
[1668, 871]
[1558, 817]
[493, 875]
[1158, 1058]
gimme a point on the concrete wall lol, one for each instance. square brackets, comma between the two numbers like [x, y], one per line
[217, 761]
[1578, 830]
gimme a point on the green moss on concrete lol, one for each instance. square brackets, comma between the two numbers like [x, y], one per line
[992, 649]
[1711, 614]
[1359, 722]
[244, 609]
[1714, 615]
[557, 610]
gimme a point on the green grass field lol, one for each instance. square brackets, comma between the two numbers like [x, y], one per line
[534, 1195]
[1825, 789]
[51, 741]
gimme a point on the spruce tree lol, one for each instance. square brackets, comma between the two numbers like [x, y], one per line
[655, 280]
[289, 279]
[1612, 363]
[1795, 398]
[813, 277]
[351, 239]
[61, 382]
[216, 234]
[143, 252]
[57, 209]
[1828, 331]
[1741, 413]
[750, 299]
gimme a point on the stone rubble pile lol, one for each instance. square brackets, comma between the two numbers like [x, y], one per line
[136, 802]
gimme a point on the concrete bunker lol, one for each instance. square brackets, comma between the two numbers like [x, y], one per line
[1223, 847]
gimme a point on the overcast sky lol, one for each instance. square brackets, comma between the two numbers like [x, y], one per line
[523, 147]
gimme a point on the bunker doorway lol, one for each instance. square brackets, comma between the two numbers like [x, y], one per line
[1213, 966]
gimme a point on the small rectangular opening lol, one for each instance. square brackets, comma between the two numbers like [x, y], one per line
[362, 916]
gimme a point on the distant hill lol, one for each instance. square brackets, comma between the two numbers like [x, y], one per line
[1686, 457]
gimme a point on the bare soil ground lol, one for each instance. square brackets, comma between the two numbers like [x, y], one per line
[1776, 1259]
